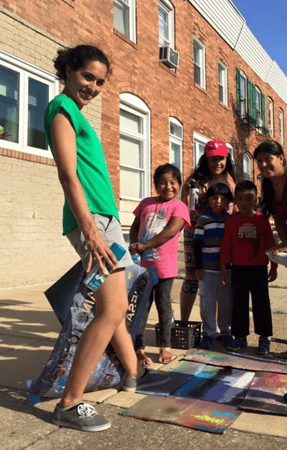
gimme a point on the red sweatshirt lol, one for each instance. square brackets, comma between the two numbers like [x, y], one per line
[246, 239]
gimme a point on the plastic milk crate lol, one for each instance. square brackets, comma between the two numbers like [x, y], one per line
[184, 335]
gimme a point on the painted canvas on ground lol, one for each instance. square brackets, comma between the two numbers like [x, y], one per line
[190, 413]
[238, 361]
[179, 375]
[266, 394]
[217, 384]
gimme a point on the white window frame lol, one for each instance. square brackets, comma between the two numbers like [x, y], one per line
[27, 71]
[177, 140]
[258, 110]
[201, 64]
[281, 126]
[244, 99]
[131, 8]
[247, 161]
[169, 9]
[271, 116]
[223, 69]
[200, 139]
[134, 105]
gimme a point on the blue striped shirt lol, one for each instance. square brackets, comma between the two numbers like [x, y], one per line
[206, 240]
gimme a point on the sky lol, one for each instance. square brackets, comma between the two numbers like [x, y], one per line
[267, 21]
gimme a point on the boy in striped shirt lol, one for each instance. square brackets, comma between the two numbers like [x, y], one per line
[207, 238]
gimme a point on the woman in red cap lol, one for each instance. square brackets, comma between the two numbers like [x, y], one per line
[214, 166]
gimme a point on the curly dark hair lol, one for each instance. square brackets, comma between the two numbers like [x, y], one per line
[201, 173]
[78, 57]
[267, 200]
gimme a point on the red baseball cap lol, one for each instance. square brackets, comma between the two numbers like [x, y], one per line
[216, 148]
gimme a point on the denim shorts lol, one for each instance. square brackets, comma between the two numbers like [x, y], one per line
[111, 231]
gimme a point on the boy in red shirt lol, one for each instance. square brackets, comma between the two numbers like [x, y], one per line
[246, 238]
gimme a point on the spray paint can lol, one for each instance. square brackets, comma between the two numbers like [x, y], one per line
[136, 257]
[193, 195]
[96, 277]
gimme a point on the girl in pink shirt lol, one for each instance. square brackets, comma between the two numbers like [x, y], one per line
[154, 234]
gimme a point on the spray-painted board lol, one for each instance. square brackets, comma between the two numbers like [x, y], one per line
[236, 361]
[217, 384]
[266, 394]
[190, 413]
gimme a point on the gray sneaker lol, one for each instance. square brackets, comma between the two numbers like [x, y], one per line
[82, 417]
[149, 379]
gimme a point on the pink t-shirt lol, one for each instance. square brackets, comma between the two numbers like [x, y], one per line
[154, 217]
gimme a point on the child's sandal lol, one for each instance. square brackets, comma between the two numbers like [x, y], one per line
[144, 360]
[165, 355]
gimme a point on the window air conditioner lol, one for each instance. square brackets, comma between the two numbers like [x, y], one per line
[168, 56]
[259, 122]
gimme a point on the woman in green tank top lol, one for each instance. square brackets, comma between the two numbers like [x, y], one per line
[88, 192]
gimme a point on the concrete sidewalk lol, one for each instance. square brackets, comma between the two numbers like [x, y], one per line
[28, 332]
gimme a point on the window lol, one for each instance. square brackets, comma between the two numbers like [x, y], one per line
[125, 18]
[134, 148]
[25, 92]
[199, 142]
[243, 94]
[222, 83]
[281, 126]
[175, 142]
[247, 166]
[259, 110]
[166, 24]
[199, 62]
[257, 107]
[271, 118]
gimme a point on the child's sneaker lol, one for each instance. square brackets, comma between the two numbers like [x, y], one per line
[206, 343]
[227, 340]
[149, 379]
[238, 344]
[82, 417]
[263, 346]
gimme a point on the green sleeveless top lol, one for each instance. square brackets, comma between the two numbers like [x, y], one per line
[91, 164]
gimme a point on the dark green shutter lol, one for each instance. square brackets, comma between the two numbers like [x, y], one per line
[254, 104]
[238, 92]
[249, 98]
[263, 112]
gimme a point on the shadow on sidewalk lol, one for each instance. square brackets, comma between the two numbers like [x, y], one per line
[18, 401]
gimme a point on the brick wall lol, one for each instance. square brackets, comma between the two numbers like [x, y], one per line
[137, 70]
[32, 248]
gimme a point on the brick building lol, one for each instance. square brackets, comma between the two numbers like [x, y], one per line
[212, 79]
